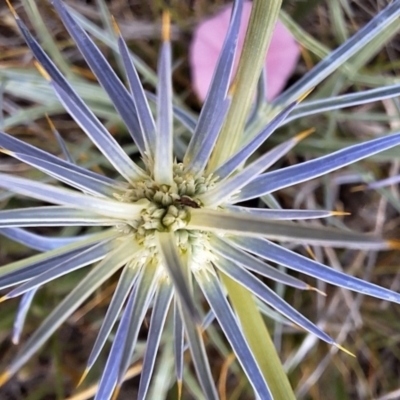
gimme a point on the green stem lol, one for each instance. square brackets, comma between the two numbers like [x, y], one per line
[264, 15]
[259, 339]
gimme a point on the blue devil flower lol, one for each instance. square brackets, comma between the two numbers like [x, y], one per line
[175, 230]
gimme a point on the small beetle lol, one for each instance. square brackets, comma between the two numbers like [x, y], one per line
[186, 201]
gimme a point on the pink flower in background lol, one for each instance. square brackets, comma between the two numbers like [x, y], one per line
[207, 43]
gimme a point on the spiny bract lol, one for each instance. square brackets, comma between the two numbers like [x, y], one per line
[175, 230]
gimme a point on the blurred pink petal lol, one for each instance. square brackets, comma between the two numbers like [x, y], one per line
[207, 43]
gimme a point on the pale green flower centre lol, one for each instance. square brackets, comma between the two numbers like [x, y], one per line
[167, 208]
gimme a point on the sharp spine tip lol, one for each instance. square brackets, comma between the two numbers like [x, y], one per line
[358, 188]
[2, 299]
[179, 384]
[393, 245]
[83, 377]
[340, 213]
[345, 350]
[12, 9]
[42, 71]
[304, 134]
[4, 377]
[115, 26]
[304, 95]
[116, 392]
[232, 88]
[166, 26]
[317, 290]
[50, 122]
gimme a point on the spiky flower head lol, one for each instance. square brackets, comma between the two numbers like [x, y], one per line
[173, 228]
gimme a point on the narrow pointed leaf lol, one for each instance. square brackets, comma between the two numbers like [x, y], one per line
[297, 262]
[57, 77]
[51, 216]
[266, 294]
[109, 378]
[337, 57]
[281, 214]
[211, 288]
[13, 144]
[248, 149]
[272, 181]
[67, 155]
[33, 267]
[346, 100]
[61, 196]
[95, 278]
[255, 225]
[72, 178]
[218, 87]
[163, 157]
[84, 258]
[199, 160]
[178, 343]
[232, 185]
[226, 250]
[199, 356]
[183, 116]
[23, 309]
[20, 271]
[158, 317]
[108, 79]
[147, 124]
[186, 119]
[146, 285]
[124, 287]
[99, 135]
[39, 242]
[44, 60]
[176, 269]
[393, 180]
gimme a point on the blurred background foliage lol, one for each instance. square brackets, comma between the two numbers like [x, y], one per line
[367, 327]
